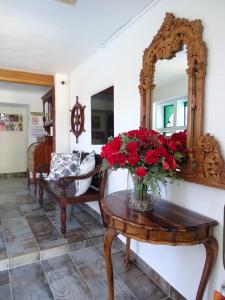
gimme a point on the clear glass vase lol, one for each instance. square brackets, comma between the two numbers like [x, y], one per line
[140, 197]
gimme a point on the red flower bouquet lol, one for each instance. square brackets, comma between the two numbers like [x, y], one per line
[149, 156]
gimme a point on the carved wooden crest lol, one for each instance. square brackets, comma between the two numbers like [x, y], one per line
[77, 119]
[206, 165]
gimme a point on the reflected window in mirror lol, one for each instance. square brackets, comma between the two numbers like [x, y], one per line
[170, 104]
[170, 115]
[102, 116]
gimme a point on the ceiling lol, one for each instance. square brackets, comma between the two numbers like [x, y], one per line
[50, 36]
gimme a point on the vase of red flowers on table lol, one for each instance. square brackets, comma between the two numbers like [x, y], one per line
[150, 158]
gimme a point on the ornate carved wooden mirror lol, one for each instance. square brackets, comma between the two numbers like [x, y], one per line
[172, 84]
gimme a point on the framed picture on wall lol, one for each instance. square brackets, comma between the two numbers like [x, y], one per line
[11, 122]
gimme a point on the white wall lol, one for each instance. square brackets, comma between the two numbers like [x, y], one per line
[12, 159]
[119, 64]
[62, 121]
[22, 99]
[172, 90]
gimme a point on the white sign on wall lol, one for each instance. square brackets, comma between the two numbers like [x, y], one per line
[36, 122]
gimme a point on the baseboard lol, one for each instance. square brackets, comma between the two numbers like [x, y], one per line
[164, 285]
[12, 175]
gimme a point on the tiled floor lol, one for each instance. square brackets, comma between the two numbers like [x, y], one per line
[36, 262]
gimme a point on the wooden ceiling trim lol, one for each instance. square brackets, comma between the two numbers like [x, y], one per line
[26, 77]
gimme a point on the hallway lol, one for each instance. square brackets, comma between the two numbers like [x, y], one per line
[36, 262]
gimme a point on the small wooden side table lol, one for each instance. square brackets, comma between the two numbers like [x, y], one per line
[167, 224]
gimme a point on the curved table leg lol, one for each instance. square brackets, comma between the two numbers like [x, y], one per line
[211, 248]
[108, 238]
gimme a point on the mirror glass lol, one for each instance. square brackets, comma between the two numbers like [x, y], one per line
[102, 116]
[170, 101]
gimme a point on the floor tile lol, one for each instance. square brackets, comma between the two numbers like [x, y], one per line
[135, 279]
[87, 221]
[92, 266]
[4, 277]
[44, 232]
[3, 253]
[16, 229]
[5, 292]
[29, 282]
[9, 210]
[65, 280]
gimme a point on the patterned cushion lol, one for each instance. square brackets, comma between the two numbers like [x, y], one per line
[63, 164]
[86, 166]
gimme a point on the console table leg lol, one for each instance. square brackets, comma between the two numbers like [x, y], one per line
[127, 253]
[211, 248]
[108, 238]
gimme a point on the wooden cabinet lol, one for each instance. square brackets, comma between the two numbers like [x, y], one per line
[49, 111]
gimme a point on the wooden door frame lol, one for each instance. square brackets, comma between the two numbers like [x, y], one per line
[23, 77]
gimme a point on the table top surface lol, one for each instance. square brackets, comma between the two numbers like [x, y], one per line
[165, 216]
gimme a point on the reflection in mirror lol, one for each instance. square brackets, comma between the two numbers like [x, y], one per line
[102, 116]
[170, 104]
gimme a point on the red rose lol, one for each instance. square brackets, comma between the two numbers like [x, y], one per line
[151, 157]
[152, 133]
[181, 135]
[171, 161]
[161, 140]
[142, 135]
[106, 150]
[111, 159]
[180, 139]
[116, 158]
[161, 151]
[132, 133]
[132, 147]
[166, 166]
[133, 159]
[140, 171]
[115, 144]
[121, 159]
[172, 145]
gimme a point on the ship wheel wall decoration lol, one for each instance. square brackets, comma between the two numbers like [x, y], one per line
[77, 119]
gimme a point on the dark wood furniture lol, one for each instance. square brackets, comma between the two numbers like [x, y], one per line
[63, 190]
[49, 111]
[77, 119]
[38, 154]
[167, 224]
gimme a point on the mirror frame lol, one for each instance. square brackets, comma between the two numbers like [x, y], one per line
[205, 165]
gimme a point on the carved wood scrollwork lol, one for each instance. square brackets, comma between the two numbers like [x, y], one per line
[77, 119]
[206, 165]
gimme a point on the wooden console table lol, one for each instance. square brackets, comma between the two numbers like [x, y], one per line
[167, 224]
